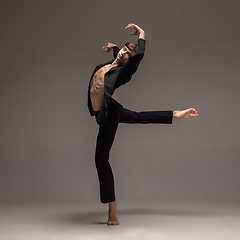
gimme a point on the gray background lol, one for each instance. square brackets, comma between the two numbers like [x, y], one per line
[48, 52]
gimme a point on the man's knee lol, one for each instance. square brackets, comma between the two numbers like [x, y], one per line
[135, 117]
[128, 116]
[101, 160]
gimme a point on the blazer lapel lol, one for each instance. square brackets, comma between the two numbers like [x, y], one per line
[110, 80]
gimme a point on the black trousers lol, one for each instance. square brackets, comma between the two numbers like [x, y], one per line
[105, 140]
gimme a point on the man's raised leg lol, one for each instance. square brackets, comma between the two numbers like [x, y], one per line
[164, 117]
[144, 117]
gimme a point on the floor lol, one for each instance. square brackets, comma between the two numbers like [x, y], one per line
[168, 221]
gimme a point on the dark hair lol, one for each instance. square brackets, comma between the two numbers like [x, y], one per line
[131, 46]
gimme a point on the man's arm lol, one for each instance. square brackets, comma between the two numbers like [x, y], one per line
[109, 46]
[132, 64]
[138, 30]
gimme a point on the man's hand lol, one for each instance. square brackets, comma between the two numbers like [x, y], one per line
[108, 47]
[138, 30]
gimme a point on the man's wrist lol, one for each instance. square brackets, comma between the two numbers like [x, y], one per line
[142, 34]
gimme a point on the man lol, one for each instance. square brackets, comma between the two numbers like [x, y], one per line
[109, 113]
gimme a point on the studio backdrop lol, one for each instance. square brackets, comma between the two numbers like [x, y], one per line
[49, 49]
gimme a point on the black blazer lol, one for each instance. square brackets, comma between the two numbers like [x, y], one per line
[114, 78]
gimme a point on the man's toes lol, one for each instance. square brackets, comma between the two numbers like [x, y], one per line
[112, 223]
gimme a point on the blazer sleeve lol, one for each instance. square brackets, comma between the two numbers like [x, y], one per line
[115, 51]
[126, 72]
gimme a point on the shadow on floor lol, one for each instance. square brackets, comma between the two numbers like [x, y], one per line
[93, 217]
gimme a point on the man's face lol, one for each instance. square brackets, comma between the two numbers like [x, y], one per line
[124, 54]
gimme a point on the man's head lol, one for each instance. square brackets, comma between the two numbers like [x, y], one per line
[126, 52]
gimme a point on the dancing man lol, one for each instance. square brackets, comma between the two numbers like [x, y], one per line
[109, 113]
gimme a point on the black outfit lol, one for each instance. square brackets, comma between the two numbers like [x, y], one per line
[112, 113]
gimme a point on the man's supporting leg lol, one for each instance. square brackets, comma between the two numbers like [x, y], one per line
[128, 116]
[104, 143]
[105, 140]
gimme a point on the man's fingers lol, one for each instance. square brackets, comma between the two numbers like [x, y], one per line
[134, 33]
[131, 25]
[135, 27]
[107, 49]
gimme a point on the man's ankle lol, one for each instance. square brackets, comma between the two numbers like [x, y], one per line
[112, 204]
[175, 112]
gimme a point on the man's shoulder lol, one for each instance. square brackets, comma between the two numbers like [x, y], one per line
[101, 65]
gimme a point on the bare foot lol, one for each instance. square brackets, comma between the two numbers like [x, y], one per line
[112, 214]
[188, 113]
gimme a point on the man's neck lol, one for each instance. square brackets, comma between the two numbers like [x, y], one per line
[115, 63]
